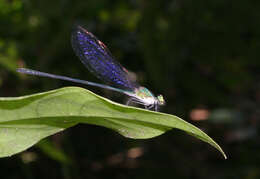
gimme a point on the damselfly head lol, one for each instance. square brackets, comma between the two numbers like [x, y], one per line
[161, 100]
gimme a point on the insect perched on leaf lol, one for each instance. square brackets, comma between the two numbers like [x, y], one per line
[98, 60]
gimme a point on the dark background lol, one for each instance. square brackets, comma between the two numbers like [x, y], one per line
[203, 56]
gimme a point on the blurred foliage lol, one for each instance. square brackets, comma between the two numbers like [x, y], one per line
[198, 54]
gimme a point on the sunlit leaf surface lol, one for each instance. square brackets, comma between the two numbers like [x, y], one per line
[26, 120]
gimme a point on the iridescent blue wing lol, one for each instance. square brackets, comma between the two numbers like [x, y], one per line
[98, 59]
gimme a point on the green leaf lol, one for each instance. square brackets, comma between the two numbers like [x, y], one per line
[53, 152]
[26, 120]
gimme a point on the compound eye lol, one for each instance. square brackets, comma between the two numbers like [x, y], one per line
[161, 100]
